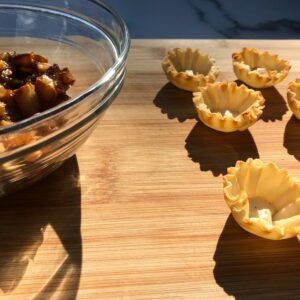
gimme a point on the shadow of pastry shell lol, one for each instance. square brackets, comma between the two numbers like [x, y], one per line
[227, 107]
[293, 97]
[259, 69]
[263, 199]
[188, 69]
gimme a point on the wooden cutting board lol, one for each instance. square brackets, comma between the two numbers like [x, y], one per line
[139, 212]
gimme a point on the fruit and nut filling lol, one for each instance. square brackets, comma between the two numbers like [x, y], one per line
[30, 85]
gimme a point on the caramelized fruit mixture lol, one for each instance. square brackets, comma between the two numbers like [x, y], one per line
[29, 85]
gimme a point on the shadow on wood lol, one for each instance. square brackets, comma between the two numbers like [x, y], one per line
[291, 139]
[275, 106]
[54, 201]
[250, 267]
[176, 103]
[216, 151]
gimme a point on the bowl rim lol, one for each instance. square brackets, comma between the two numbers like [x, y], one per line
[107, 76]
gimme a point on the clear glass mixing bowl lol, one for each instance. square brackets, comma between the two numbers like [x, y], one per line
[91, 40]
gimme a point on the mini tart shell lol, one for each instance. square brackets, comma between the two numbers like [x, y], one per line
[263, 180]
[251, 57]
[220, 122]
[293, 98]
[189, 59]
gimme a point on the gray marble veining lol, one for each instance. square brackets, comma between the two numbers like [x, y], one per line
[210, 18]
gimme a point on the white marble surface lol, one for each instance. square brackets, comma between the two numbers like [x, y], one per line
[210, 18]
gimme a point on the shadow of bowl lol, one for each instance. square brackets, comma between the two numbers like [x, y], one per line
[216, 151]
[24, 215]
[250, 267]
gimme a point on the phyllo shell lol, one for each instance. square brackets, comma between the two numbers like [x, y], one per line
[228, 107]
[293, 97]
[259, 69]
[188, 69]
[263, 199]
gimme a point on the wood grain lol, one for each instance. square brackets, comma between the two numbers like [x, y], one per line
[139, 212]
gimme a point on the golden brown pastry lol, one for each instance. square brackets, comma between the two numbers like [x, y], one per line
[293, 97]
[259, 69]
[263, 199]
[188, 69]
[227, 107]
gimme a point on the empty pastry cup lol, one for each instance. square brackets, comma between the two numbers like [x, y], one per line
[293, 97]
[259, 69]
[263, 199]
[228, 107]
[188, 69]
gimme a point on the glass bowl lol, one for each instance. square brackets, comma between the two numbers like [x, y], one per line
[91, 40]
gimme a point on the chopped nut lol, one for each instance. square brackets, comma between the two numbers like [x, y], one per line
[27, 62]
[44, 86]
[43, 67]
[27, 100]
[63, 79]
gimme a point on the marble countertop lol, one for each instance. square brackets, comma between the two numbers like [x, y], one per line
[255, 19]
